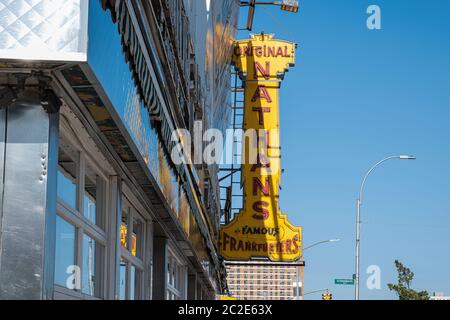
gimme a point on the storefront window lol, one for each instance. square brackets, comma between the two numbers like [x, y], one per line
[130, 281]
[138, 237]
[65, 251]
[80, 239]
[135, 283]
[90, 196]
[88, 275]
[176, 278]
[67, 176]
[123, 280]
[132, 239]
[124, 228]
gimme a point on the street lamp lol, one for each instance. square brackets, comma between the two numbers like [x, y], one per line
[320, 242]
[285, 5]
[289, 5]
[306, 248]
[315, 291]
[358, 214]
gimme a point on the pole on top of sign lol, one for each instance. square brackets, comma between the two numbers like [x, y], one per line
[285, 5]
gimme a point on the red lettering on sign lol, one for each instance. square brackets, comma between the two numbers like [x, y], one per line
[264, 51]
[257, 184]
[225, 241]
[262, 93]
[261, 212]
[286, 54]
[295, 244]
[280, 52]
[261, 111]
[262, 162]
[258, 51]
[265, 72]
[288, 246]
[232, 244]
[240, 246]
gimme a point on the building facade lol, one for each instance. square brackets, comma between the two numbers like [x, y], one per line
[439, 296]
[91, 92]
[262, 280]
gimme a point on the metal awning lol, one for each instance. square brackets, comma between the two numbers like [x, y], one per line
[134, 57]
[147, 90]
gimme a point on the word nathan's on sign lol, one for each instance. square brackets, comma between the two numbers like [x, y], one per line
[260, 229]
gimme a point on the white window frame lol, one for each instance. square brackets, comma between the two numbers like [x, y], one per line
[129, 204]
[75, 216]
[178, 290]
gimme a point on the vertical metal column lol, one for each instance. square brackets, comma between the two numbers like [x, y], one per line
[7, 95]
[114, 222]
[28, 209]
[2, 158]
[192, 287]
[159, 267]
[148, 280]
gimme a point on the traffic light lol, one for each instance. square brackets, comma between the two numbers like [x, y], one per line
[327, 296]
[289, 5]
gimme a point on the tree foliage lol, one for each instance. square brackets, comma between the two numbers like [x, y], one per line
[403, 287]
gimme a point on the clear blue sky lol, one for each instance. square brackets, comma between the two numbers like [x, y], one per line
[354, 97]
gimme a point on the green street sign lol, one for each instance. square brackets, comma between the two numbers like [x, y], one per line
[344, 281]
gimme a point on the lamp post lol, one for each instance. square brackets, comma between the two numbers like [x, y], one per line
[358, 215]
[297, 291]
[315, 291]
[285, 5]
[320, 242]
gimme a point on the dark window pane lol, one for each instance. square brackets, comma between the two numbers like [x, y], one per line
[124, 229]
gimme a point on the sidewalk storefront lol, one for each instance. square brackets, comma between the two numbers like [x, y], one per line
[91, 205]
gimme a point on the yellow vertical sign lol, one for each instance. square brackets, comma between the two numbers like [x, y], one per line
[260, 229]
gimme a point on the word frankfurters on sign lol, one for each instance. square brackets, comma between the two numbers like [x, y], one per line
[260, 229]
